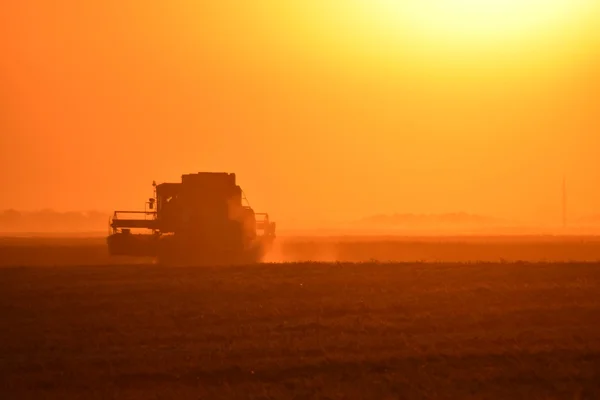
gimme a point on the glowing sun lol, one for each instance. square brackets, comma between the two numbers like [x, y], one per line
[468, 22]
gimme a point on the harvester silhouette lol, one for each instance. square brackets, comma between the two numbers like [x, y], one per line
[204, 219]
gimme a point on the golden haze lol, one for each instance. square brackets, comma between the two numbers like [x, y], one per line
[324, 109]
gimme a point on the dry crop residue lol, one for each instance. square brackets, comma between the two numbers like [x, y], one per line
[303, 330]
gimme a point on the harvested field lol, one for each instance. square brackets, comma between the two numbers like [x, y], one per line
[439, 249]
[296, 330]
[61, 251]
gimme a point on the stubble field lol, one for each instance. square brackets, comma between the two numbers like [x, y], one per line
[480, 324]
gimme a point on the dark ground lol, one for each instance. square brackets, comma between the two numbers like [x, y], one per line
[298, 330]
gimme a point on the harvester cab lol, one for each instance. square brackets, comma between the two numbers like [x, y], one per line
[205, 218]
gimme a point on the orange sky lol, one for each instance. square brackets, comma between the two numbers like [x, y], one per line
[321, 111]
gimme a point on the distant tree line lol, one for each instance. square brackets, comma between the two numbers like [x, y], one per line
[52, 221]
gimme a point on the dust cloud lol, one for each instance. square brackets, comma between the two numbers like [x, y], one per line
[288, 250]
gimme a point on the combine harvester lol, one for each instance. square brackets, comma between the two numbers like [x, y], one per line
[203, 220]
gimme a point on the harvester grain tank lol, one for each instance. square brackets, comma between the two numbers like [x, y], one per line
[205, 218]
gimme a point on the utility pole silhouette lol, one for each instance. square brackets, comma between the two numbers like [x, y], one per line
[564, 202]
